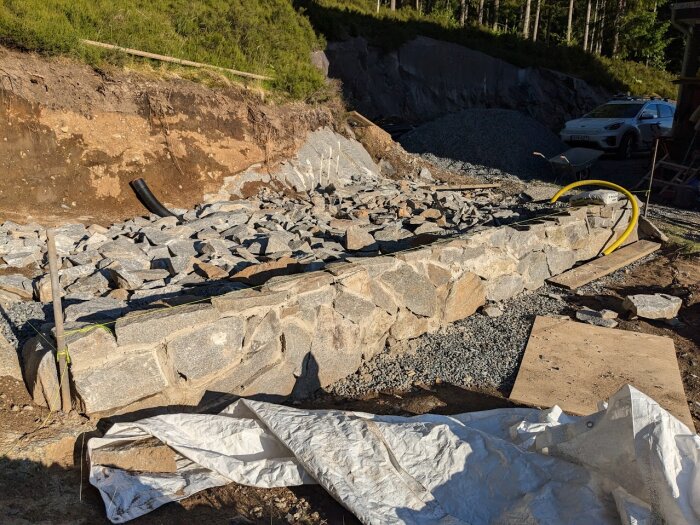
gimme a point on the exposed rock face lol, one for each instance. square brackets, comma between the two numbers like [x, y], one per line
[427, 78]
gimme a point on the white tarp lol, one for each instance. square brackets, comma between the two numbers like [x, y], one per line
[631, 462]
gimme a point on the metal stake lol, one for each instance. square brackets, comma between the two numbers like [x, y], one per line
[651, 176]
[58, 319]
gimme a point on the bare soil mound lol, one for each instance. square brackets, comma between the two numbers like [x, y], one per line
[72, 138]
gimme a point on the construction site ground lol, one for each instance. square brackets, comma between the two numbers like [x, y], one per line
[43, 464]
[57, 485]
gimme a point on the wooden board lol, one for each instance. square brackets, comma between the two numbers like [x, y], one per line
[575, 365]
[602, 266]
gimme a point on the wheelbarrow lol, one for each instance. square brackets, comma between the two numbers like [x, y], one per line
[574, 163]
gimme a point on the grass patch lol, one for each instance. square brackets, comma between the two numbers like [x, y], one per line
[269, 38]
[340, 19]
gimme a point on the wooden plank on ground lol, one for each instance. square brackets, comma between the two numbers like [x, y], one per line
[575, 365]
[461, 187]
[602, 266]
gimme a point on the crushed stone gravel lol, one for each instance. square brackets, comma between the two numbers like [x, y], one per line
[497, 139]
[479, 351]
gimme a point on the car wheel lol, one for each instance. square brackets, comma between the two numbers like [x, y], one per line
[626, 147]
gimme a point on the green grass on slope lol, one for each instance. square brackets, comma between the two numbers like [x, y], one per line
[267, 37]
[340, 19]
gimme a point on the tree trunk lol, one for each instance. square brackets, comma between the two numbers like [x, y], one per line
[585, 28]
[481, 12]
[601, 30]
[526, 20]
[568, 23]
[379, 3]
[463, 13]
[536, 27]
[616, 27]
[496, 5]
[393, 5]
[594, 28]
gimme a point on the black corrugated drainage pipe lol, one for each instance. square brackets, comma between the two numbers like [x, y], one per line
[149, 200]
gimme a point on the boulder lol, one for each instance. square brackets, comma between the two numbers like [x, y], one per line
[656, 306]
[466, 295]
[122, 380]
[358, 239]
[40, 372]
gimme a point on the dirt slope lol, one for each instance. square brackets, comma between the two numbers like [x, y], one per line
[72, 138]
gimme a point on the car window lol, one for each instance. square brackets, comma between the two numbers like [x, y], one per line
[665, 111]
[615, 111]
[652, 110]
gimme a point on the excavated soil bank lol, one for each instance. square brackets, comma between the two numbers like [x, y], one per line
[73, 137]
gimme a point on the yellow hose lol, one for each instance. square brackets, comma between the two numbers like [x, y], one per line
[635, 209]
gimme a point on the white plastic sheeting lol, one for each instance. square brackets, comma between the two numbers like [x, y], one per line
[631, 462]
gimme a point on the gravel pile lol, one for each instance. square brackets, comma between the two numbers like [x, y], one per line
[477, 351]
[488, 139]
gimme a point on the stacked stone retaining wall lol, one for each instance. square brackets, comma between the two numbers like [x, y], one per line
[300, 332]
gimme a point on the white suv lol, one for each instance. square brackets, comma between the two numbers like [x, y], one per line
[623, 125]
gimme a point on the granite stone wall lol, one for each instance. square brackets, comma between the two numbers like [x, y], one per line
[299, 332]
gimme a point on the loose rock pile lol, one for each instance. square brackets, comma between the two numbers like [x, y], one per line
[148, 257]
[499, 139]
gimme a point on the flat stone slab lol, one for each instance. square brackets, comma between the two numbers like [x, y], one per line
[574, 365]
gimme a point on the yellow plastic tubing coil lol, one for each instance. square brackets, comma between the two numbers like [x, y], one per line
[635, 208]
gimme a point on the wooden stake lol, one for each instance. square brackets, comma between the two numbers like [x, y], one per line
[58, 320]
[173, 60]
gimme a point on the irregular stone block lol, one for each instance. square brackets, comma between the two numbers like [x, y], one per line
[559, 260]
[40, 373]
[534, 270]
[408, 326]
[488, 263]
[412, 290]
[356, 238]
[249, 372]
[9, 359]
[256, 274]
[596, 318]
[504, 287]
[334, 346]
[23, 257]
[90, 347]
[353, 306]
[381, 296]
[93, 285]
[466, 295]
[296, 342]
[118, 382]
[154, 326]
[656, 306]
[207, 349]
[522, 242]
[239, 301]
[17, 284]
[122, 278]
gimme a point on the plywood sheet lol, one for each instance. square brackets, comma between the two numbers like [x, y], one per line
[602, 266]
[575, 365]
